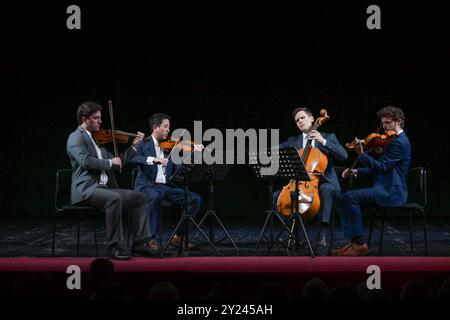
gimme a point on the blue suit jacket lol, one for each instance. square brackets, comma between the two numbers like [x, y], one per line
[389, 172]
[333, 150]
[147, 173]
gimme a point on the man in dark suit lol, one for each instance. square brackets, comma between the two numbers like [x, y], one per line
[329, 145]
[389, 174]
[94, 183]
[154, 172]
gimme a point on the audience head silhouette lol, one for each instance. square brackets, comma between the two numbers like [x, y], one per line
[163, 290]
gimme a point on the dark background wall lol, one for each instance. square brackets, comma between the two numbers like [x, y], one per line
[227, 65]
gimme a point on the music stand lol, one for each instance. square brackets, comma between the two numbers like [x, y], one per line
[290, 166]
[211, 173]
[271, 215]
[181, 175]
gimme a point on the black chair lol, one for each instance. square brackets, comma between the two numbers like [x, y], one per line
[62, 205]
[164, 204]
[417, 202]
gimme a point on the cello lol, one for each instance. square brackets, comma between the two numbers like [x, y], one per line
[315, 163]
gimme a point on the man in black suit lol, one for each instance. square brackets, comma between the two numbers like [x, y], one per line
[94, 183]
[329, 145]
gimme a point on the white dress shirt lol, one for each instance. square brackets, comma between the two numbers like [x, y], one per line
[161, 175]
[103, 176]
[313, 142]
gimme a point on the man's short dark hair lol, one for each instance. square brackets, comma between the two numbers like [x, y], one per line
[304, 109]
[86, 109]
[157, 119]
[394, 113]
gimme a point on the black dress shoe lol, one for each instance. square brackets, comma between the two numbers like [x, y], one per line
[141, 249]
[118, 253]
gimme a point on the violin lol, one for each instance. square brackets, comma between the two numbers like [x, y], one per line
[373, 141]
[186, 146]
[169, 145]
[105, 136]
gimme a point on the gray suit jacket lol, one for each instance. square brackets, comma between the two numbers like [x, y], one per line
[87, 167]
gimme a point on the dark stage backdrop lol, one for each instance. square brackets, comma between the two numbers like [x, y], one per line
[227, 65]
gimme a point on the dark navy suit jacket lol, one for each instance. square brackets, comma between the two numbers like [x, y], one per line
[333, 150]
[389, 172]
[147, 173]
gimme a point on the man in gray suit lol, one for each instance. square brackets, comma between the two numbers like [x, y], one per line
[94, 183]
[328, 144]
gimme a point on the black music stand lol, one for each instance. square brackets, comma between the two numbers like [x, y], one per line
[290, 166]
[271, 214]
[211, 173]
[182, 175]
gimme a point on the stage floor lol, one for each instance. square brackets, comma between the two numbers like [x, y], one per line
[31, 236]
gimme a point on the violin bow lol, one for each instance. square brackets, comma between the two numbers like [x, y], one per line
[113, 131]
[178, 140]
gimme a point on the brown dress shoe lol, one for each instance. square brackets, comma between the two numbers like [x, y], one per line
[176, 240]
[355, 250]
[341, 249]
[154, 245]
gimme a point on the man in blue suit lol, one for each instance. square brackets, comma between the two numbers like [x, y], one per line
[389, 189]
[154, 171]
[329, 145]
